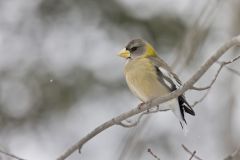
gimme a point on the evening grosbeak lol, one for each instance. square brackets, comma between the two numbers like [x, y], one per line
[148, 77]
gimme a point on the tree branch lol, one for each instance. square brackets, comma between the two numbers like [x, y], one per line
[193, 154]
[154, 155]
[133, 124]
[115, 121]
[11, 155]
[234, 156]
[233, 70]
[222, 64]
[201, 99]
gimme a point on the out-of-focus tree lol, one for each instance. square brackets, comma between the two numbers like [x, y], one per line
[60, 76]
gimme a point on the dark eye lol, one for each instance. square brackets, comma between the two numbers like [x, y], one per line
[133, 49]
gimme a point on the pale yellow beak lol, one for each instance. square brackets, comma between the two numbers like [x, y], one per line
[124, 53]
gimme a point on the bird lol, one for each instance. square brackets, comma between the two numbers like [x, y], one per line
[148, 76]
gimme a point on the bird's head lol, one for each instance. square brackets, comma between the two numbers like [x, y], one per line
[137, 48]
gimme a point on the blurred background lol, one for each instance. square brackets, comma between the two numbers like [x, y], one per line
[60, 77]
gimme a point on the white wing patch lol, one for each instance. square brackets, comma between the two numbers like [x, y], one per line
[170, 76]
[167, 83]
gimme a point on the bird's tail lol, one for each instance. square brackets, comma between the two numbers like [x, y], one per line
[184, 106]
[180, 111]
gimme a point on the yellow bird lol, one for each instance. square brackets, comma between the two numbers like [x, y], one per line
[148, 77]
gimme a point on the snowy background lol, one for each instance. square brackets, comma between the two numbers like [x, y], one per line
[60, 77]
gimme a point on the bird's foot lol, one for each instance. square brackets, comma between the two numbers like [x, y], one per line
[140, 106]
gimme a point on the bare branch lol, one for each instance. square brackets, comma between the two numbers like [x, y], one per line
[201, 99]
[200, 88]
[154, 155]
[140, 117]
[231, 61]
[11, 155]
[186, 86]
[234, 156]
[222, 64]
[196, 34]
[193, 154]
[212, 82]
[233, 70]
[134, 123]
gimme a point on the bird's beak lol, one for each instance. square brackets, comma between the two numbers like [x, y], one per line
[124, 53]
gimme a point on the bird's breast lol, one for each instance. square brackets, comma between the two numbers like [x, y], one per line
[142, 79]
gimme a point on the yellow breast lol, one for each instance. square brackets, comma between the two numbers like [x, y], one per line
[142, 79]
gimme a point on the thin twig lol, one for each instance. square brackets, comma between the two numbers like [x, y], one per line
[233, 70]
[230, 69]
[200, 88]
[207, 87]
[235, 154]
[201, 99]
[191, 153]
[212, 82]
[186, 86]
[133, 124]
[154, 155]
[11, 155]
[194, 36]
[222, 64]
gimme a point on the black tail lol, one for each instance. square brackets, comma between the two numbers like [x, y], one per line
[184, 107]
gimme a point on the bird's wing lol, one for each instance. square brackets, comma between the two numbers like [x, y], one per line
[172, 82]
[165, 75]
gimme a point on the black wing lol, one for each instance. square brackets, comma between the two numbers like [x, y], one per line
[172, 82]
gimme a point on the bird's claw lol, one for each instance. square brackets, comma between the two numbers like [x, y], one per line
[140, 105]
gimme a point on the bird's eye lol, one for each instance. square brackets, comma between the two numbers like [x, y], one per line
[133, 49]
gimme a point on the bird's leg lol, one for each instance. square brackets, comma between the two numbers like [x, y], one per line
[140, 105]
[148, 103]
